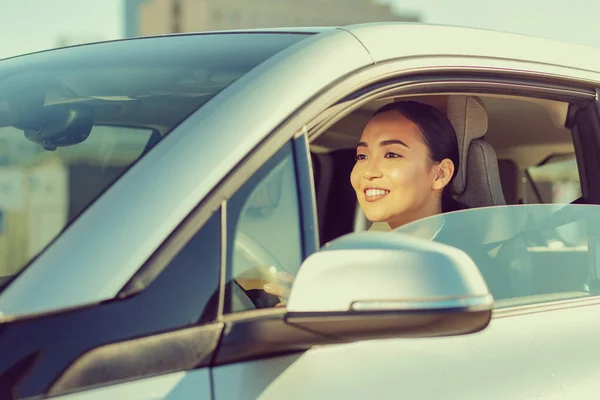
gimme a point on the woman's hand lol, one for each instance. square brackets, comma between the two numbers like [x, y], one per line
[281, 289]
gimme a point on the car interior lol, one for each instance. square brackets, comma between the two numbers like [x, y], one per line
[513, 150]
[507, 139]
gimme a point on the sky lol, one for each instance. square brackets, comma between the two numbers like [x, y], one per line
[32, 25]
[571, 21]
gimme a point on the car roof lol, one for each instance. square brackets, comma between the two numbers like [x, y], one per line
[393, 40]
[383, 41]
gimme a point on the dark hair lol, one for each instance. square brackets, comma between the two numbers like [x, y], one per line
[438, 135]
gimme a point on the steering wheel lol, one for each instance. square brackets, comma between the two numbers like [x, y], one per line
[259, 267]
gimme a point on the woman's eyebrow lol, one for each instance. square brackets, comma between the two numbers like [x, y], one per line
[392, 141]
[384, 143]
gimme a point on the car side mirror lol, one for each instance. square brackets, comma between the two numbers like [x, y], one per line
[372, 285]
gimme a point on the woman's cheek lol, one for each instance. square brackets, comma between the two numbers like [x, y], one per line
[397, 176]
[354, 177]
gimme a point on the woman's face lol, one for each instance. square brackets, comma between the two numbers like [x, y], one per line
[394, 179]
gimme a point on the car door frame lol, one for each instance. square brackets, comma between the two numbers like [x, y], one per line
[159, 353]
[480, 74]
[375, 82]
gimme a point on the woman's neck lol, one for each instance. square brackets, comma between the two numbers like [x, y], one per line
[428, 210]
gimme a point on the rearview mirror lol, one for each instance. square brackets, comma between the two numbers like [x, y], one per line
[373, 285]
[55, 126]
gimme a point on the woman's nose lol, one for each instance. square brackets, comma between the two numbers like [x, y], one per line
[372, 170]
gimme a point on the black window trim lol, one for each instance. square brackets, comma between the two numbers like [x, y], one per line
[161, 353]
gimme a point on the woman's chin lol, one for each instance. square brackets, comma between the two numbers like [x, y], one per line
[376, 217]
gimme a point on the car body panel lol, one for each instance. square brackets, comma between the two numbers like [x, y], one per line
[175, 386]
[383, 43]
[518, 357]
[480, 64]
[174, 177]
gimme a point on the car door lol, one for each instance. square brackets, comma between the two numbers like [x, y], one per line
[534, 348]
[216, 264]
[267, 226]
[106, 343]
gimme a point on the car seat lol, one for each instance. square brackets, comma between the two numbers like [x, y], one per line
[477, 181]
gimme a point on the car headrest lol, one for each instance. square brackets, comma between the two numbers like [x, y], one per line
[469, 118]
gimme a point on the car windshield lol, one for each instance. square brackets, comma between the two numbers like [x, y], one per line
[73, 120]
[528, 253]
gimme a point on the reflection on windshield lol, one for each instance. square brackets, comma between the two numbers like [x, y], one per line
[528, 253]
[41, 191]
[73, 120]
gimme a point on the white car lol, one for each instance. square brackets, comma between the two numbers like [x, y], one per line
[151, 187]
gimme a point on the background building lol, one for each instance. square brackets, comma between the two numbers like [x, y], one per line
[72, 40]
[152, 17]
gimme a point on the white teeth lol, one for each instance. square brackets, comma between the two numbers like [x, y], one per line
[376, 192]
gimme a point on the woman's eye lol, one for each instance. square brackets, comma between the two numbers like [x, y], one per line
[360, 157]
[392, 155]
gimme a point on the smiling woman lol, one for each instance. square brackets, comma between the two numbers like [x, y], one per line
[405, 162]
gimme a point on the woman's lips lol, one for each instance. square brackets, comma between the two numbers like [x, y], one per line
[374, 194]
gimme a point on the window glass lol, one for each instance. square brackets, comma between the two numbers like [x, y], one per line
[527, 254]
[73, 120]
[41, 191]
[264, 234]
[555, 180]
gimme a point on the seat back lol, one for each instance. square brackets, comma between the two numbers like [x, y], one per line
[336, 200]
[477, 181]
[510, 177]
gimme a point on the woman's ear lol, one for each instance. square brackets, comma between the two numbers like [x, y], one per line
[443, 174]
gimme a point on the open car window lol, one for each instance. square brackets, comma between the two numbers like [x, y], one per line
[527, 254]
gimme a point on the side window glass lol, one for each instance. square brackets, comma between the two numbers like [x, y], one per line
[264, 235]
[527, 254]
[555, 180]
